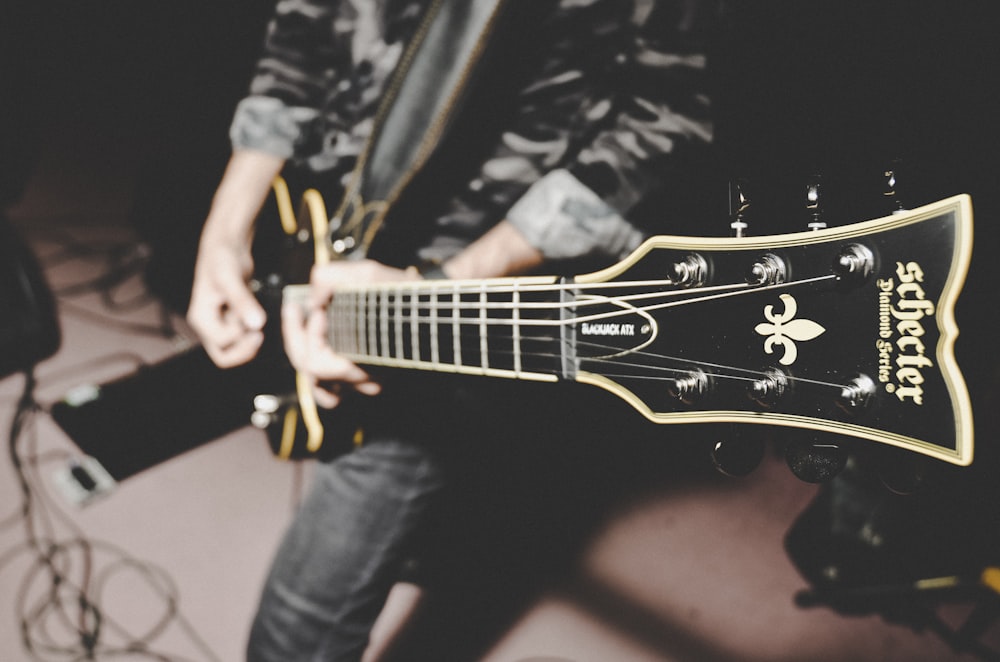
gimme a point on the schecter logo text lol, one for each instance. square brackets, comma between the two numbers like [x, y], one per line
[902, 307]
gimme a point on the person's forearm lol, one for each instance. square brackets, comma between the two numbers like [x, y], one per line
[503, 251]
[241, 193]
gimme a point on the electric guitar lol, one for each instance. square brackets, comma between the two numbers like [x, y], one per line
[847, 330]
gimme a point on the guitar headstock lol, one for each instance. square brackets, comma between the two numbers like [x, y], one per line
[847, 330]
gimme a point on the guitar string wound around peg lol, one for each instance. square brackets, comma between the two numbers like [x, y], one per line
[689, 387]
[768, 270]
[770, 388]
[857, 395]
[692, 271]
[854, 264]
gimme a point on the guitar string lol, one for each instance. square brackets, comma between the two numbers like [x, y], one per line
[424, 299]
[752, 374]
[748, 374]
[432, 317]
[353, 306]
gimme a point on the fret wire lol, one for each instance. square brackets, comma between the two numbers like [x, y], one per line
[339, 323]
[414, 325]
[384, 323]
[371, 323]
[399, 323]
[456, 326]
[362, 323]
[359, 326]
[483, 351]
[435, 352]
[331, 323]
[516, 332]
[344, 334]
[345, 311]
[355, 324]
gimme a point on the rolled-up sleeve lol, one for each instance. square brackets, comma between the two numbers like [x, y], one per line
[267, 125]
[564, 219]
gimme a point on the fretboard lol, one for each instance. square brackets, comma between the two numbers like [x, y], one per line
[510, 327]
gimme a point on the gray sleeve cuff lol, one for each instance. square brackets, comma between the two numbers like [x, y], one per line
[564, 219]
[267, 125]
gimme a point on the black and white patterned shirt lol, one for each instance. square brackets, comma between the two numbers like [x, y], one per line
[600, 103]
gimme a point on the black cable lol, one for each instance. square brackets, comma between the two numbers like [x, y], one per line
[60, 596]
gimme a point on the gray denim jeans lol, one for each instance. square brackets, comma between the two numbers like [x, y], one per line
[343, 552]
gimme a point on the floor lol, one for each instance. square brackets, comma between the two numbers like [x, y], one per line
[675, 568]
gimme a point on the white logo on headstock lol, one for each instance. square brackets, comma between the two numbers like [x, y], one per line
[783, 329]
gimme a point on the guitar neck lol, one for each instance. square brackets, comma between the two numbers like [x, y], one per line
[848, 330]
[509, 327]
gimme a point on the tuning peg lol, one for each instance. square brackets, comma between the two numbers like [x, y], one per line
[739, 205]
[813, 461]
[738, 455]
[814, 203]
[902, 473]
[890, 189]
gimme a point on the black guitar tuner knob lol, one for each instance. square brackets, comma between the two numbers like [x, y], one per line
[903, 473]
[815, 461]
[738, 456]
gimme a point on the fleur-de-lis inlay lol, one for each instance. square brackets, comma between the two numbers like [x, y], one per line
[783, 329]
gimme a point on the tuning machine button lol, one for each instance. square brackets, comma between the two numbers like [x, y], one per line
[692, 271]
[769, 389]
[854, 264]
[815, 461]
[857, 395]
[768, 270]
[690, 386]
[740, 454]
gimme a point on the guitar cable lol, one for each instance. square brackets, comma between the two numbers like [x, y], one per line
[58, 603]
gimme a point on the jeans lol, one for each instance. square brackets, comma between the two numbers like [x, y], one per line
[343, 552]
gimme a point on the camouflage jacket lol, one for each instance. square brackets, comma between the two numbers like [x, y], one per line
[582, 113]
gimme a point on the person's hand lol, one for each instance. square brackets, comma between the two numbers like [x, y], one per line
[304, 327]
[223, 311]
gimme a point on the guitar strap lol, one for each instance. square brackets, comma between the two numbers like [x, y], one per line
[422, 98]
